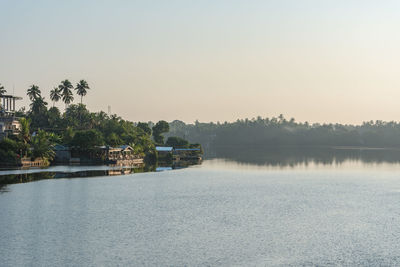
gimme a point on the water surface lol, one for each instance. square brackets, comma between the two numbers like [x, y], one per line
[223, 212]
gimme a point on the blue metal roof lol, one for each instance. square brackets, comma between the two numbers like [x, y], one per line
[160, 169]
[164, 148]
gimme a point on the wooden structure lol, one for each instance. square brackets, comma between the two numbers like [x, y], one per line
[38, 163]
[123, 155]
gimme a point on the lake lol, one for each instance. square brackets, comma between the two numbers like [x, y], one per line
[288, 210]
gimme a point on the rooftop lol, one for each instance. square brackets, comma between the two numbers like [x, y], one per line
[11, 96]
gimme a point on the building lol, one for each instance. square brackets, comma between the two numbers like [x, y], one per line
[9, 124]
[122, 155]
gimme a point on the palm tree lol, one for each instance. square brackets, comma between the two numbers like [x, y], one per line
[55, 95]
[67, 98]
[24, 132]
[43, 146]
[38, 105]
[66, 93]
[33, 92]
[2, 90]
[81, 88]
[24, 135]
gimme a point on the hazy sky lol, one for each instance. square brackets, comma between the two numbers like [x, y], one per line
[320, 61]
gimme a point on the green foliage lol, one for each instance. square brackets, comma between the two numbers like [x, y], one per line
[144, 127]
[38, 108]
[177, 142]
[78, 117]
[81, 88]
[55, 94]
[43, 146]
[34, 92]
[158, 129]
[9, 151]
[68, 135]
[87, 139]
[54, 118]
[66, 92]
[24, 133]
[114, 140]
[281, 132]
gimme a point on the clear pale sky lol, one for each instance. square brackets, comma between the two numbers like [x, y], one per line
[217, 60]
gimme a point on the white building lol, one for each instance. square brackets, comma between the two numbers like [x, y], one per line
[9, 124]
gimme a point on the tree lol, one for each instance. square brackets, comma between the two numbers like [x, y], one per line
[24, 135]
[43, 146]
[38, 108]
[24, 132]
[9, 151]
[87, 139]
[158, 129]
[55, 95]
[81, 88]
[78, 116]
[38, 105]
[66, 93]
[33, 92]
[177, 142]
[114, 140]
[54, 118]
[145, 127]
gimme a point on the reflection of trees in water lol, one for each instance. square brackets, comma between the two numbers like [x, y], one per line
[3, 188]
[26, 177]
[304, 156]
[30, 177]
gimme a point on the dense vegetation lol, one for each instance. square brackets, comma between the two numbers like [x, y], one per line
[280, 132]
[77, 127]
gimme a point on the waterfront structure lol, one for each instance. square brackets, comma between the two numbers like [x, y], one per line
[122, 155]
[9, 124]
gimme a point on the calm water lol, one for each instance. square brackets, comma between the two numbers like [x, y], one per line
[223, 212]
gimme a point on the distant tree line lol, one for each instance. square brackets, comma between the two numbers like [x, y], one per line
[280, 132]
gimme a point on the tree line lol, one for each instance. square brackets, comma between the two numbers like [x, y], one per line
[280, 132]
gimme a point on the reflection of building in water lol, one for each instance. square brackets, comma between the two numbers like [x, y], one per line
[119, 172]
[179, 153]
[9, 124]
[187, 154]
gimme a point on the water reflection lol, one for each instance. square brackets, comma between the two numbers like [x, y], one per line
[292, 157]
[58, 172]
[43, 175]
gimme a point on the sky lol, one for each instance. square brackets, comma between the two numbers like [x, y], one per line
[210, 60]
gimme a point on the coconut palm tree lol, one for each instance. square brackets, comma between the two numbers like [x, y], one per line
[67, 98]
[66, 93]
[81, 88]
[24, 132]
[43, 146]
[55, 95]
[33, 92]
[24, 135]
